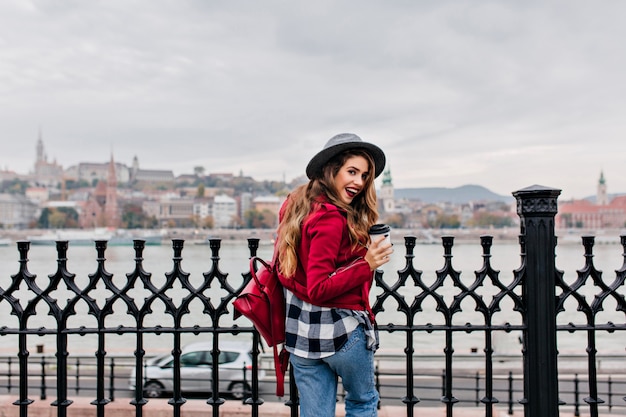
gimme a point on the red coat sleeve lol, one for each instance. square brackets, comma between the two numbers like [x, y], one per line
[328, 274]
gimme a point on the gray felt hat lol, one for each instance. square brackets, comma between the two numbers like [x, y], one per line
[342, 142]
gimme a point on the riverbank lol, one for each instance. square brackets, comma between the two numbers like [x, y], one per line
[423, 236]
[267, 236]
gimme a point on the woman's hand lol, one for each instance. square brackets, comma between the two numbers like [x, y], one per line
[378, 253]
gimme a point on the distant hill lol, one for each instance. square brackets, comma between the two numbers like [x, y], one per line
[456, 195]
[593, 198]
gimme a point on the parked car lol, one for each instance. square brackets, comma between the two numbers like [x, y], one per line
[195, 370]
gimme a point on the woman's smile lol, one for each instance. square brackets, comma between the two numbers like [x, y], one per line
[351, 177]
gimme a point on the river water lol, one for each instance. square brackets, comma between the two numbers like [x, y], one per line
[233, 260]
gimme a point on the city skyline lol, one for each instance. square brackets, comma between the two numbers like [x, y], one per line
[42, 157]
[505, 95]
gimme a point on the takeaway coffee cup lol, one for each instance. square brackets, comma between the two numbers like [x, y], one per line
[380, 229]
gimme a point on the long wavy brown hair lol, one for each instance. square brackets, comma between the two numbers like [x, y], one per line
[362, 212]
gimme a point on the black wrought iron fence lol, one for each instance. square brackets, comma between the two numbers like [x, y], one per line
[163, 306]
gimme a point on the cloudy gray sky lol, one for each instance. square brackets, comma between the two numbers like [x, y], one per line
[504, 94]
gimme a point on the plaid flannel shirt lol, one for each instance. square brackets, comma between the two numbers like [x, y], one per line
[315, 332]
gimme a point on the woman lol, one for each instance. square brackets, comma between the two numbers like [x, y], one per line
[326, 263]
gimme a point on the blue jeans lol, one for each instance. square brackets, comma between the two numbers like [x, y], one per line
[316, 380]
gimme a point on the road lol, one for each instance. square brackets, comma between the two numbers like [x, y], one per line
[468, 389]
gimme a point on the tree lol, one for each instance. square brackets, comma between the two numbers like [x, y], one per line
[44, 222]
[133, 217]
[486, 219]
[14, 186]
[198, 171]
[208, 222]
[396, 220]
[58, 218]
[71, 184]
[201, 191]
[254, 219]
[444, 221]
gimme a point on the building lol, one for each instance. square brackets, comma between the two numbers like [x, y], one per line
[224, 211]
[269, 203]
[188, 179]
[604, 213]
[386, 194]
[6, 175]
[203, 208]
[170, 211]
[183, 211]
[99, 207]
[224, 176]
[150, 176]
[398, 212]
[245, 203]
[430, 214]
[111, 208]
[602, 198]
[92, 172]
[16, 211]
[47, 174]
[154, 176]
[38, 195]
[90, 212]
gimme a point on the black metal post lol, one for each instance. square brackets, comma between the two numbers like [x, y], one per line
[254, 400]
[9, 375]
[609, 387]
[101, 275]
[510, 402]
[177, 399]
[294, 396]
[62, 275]
[43, 395]
[537, 208]
[23, 401]
[112, 380]
[576, 396]
[77, 376]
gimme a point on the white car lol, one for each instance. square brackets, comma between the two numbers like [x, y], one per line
[195, 370]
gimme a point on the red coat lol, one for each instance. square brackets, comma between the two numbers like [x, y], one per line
[330, 272]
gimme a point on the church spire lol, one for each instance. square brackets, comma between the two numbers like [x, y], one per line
[386, 192]
[387, 177]
[41, 153]
[602, 198]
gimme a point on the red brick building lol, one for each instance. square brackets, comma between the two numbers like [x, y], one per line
[603, 214]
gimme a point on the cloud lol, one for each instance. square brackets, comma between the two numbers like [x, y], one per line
[502, 94]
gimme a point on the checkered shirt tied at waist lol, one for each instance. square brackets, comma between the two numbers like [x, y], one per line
[315, 332]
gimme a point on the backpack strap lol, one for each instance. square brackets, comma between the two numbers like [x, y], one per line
[281, 359]
[281, 362]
